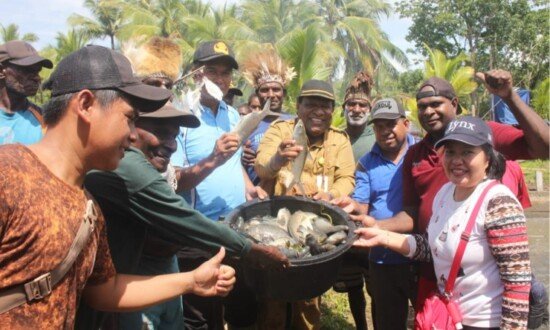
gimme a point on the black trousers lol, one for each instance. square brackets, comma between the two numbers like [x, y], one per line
[392, 287]
[239, 308]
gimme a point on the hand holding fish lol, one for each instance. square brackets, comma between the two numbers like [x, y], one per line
[263, 256]
[249, 155]
[498, 82]
[212, 278]
[226, 146]
[287, 151]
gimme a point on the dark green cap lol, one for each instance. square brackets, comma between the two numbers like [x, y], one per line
[317, 88]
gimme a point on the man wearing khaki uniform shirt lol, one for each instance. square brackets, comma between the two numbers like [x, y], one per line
[328, 173]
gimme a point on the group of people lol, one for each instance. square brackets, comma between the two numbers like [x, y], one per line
[159, 177]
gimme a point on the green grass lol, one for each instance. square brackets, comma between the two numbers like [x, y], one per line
[529, 168]
[335, 313]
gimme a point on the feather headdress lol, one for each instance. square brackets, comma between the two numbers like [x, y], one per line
[266, 66]
[158, 57]
[360, 87]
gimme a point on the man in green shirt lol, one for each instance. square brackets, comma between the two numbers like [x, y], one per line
[147, 221]
[357, 105]
[354, 271]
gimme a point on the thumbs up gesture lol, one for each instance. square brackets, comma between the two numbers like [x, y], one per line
[212, 278]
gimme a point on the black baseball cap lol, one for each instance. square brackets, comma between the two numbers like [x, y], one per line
[182, 117]
[317, 88]
[96, 68]
[387, 109]
[234, 90]
[470, 130]
[210, 50]
[441, 87]
[22, 53]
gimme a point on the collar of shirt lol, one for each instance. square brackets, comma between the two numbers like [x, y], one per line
[221, 106]
[377, 151]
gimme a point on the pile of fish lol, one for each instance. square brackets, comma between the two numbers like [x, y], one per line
[297, 235]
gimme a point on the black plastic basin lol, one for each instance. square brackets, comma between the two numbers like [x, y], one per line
[306, 277]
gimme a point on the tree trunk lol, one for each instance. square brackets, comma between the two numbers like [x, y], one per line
[112, 42]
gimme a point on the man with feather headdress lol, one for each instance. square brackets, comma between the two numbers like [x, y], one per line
[269, 75]
[356, 110]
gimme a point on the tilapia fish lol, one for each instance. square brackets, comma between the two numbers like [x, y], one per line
[297, 166]
[248, 124]
[297, 234]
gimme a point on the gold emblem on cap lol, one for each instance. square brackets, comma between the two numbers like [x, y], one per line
[221, 47]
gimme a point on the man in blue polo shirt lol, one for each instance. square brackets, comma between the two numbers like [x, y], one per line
[378, 183]
[210, 174]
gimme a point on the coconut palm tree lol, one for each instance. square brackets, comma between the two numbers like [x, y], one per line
[311, 56]
[272, 19]
[107, 19]
[154, 18]
[11, 32]
[453, 70]
[70, 42]
[353, 24]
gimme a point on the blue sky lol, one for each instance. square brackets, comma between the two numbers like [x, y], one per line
[46, 18]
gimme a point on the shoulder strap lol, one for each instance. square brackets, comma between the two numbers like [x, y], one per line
[42, 286]
[464, 238]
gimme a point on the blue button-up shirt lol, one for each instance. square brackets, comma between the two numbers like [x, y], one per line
[224, 189]
[378, 184]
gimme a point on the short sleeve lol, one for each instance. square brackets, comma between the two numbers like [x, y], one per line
[410, 196]
[509, 141]
[362, 182]
[103, 266]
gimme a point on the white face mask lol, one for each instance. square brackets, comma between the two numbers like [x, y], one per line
[357, 120]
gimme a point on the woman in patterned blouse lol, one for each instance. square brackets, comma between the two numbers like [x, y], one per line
[494, 278]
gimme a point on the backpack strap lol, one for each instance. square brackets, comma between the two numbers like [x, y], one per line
[42, 286]
[464, 238]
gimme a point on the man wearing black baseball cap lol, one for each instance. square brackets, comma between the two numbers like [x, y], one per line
[423, 173]
[327, 173]
[20, 120]
[90, 122]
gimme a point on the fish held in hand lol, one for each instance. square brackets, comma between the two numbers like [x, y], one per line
[293, 177]
[248, 124]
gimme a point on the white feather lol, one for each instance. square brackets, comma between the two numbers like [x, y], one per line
[212, 89]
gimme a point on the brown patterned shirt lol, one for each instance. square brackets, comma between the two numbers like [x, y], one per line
[39, 217]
